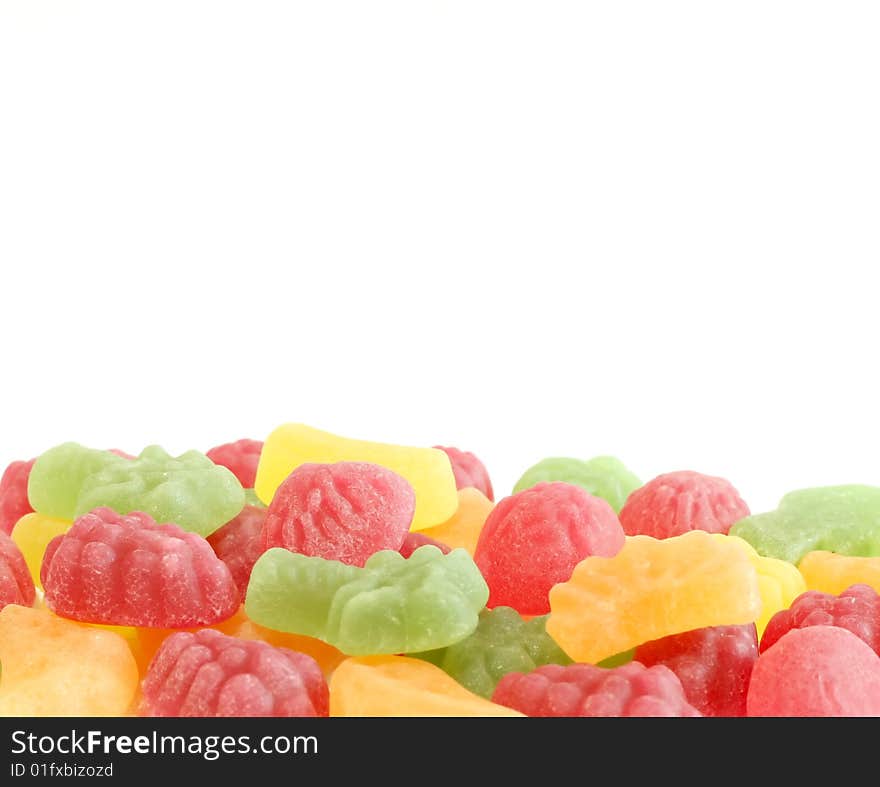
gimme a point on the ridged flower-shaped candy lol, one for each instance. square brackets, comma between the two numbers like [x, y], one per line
[14, 502]
[391, 605]
[16, 585]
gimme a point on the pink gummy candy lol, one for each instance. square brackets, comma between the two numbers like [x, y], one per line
[532, 540]
[130, 571]
[239, 543]
[816, 671]
[16, 585]
[210, 674]
[14, 502]
[587, 690]
[345, 511]
[468, 470]
[676, 503]
[414, 540]
[241, 457]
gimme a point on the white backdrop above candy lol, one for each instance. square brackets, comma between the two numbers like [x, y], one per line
[523, 229]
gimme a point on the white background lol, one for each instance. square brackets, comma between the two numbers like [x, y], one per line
[526, 229]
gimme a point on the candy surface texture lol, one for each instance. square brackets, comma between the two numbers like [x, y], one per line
[469, 471]
[240, 457]
[16, 585]
[14, 503]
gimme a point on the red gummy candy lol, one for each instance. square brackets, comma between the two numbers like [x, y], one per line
[14, 502]
[468, 470]
[816, 671]
[206, 673]
[345, 511]
[532, 540]
[241, 457]
[414, 540]
[587, 690]
[130, 571]
[16, 585]
[239, 543]
[857, 609]
[676, 503]
[714, 665]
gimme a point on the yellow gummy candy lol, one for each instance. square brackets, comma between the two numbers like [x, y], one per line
[401, 686]
[779, 582]
[427, 469]
[57, 667]
[832, 573]
[650, 589]
[463, 528]
[32, 533]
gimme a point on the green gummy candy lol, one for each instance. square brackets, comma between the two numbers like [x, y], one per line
[602, 476]
[189, 490]
[251, 499]
[842, 519]
[502, 642]
[618, 659]
[391, 605]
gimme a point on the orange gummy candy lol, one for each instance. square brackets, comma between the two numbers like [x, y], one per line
[463, 528]
[328, 657]
[650, 589]
[401, 686]
[832, 573]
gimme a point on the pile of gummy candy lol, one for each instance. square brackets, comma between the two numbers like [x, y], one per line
[316, 575]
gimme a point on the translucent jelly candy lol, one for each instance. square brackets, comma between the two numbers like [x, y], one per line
[468, 471]
[345, 511]
[14, 502]
[675, 503]
[16, 585]
[239, 543]
[130, 571]
[400, 686]
[463, 528]
[55, 667]
[32, 533]
[391, 605]
[843, 519]
[240, 457]
[427, 470]
[503, 642]
[652, 588]
[188, 490]
[714, 665]
[602, 476]
[328, 657]
[534, 539]
[816, 671]
[209, 674]
[412, 541]
[586, 690]
[856, 609]
[833, 573]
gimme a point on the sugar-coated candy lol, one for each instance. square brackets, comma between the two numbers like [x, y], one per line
[502, 642]
[427, 470]
[603, 476]
[843, 519]
[16, 584]
[415, 539]
[401, 686]
[833, 573]
[14, 503]
[391, 605]
[587, 690]
[675, 503]
[532, 540]
[189, 490]
[468, 470]
[816, 671]
[240, 457]
[239, 543]
[55, 667]
[650, 589]
[463, 528]
[345, 511]
[32, 534]
[856, 609]
[131, 571]
[714, 665]
[208, 674]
